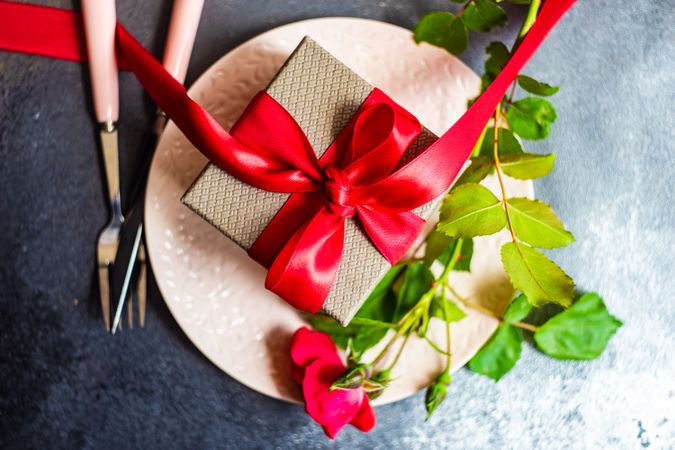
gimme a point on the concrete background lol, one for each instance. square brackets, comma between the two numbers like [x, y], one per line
[65, 384]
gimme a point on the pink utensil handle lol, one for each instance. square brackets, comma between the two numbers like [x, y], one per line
[99, 26]
[181, 37]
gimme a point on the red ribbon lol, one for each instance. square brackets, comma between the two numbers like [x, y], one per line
[302, 245]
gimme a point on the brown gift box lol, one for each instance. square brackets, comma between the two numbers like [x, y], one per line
[322, 95]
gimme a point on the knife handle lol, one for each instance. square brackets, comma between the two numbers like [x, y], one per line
[181, 36]
[99, 27]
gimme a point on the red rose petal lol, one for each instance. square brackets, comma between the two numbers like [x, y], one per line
[365, 418]
[332, 430]
[308, 345]
[336, 407]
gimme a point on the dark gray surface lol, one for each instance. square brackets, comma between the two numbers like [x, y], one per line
[64, 383]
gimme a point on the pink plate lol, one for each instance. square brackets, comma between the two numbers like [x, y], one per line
[215, 292]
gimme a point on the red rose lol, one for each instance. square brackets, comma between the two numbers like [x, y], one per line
[316, 365]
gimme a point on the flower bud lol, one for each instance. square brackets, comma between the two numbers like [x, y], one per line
[353, 378]
[436, 393]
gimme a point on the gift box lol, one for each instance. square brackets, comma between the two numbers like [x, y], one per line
[322, 95]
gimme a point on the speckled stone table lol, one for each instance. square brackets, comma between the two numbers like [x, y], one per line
[65, 384]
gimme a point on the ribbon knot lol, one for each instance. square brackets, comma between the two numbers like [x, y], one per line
[337, 189]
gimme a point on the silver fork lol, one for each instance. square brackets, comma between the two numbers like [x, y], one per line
[108, 239]
[99, 26]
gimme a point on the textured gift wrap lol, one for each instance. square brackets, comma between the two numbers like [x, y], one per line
[322, 95]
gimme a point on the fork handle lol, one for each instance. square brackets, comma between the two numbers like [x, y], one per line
[99, 26]
[182, 31]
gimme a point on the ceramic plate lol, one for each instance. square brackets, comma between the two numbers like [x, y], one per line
[215, 292]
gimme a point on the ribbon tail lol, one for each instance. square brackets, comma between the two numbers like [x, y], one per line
[392, 233]
[42, 30]
[170, 95]
[260, 169]
[305, 269]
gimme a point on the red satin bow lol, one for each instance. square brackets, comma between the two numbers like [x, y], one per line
[303, 243]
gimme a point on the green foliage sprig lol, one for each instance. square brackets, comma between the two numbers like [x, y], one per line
[410, 296]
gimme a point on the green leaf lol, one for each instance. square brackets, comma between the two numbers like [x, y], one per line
[535, 223]
[539, 278]
[437, 244]
[480, 168]
[439, 302]
[483, 15]
[417, 280]
[499, 354]
[380, 304]
[581, 332]
[531, 117]
[471, 210]
[521, 2]
[508, 143]
[444, 30]
[339, 334]
[518, 310]
[498, 55]
[479, 143]
[367, 337]
[440, 247]
[536, 87]
[526, 166]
